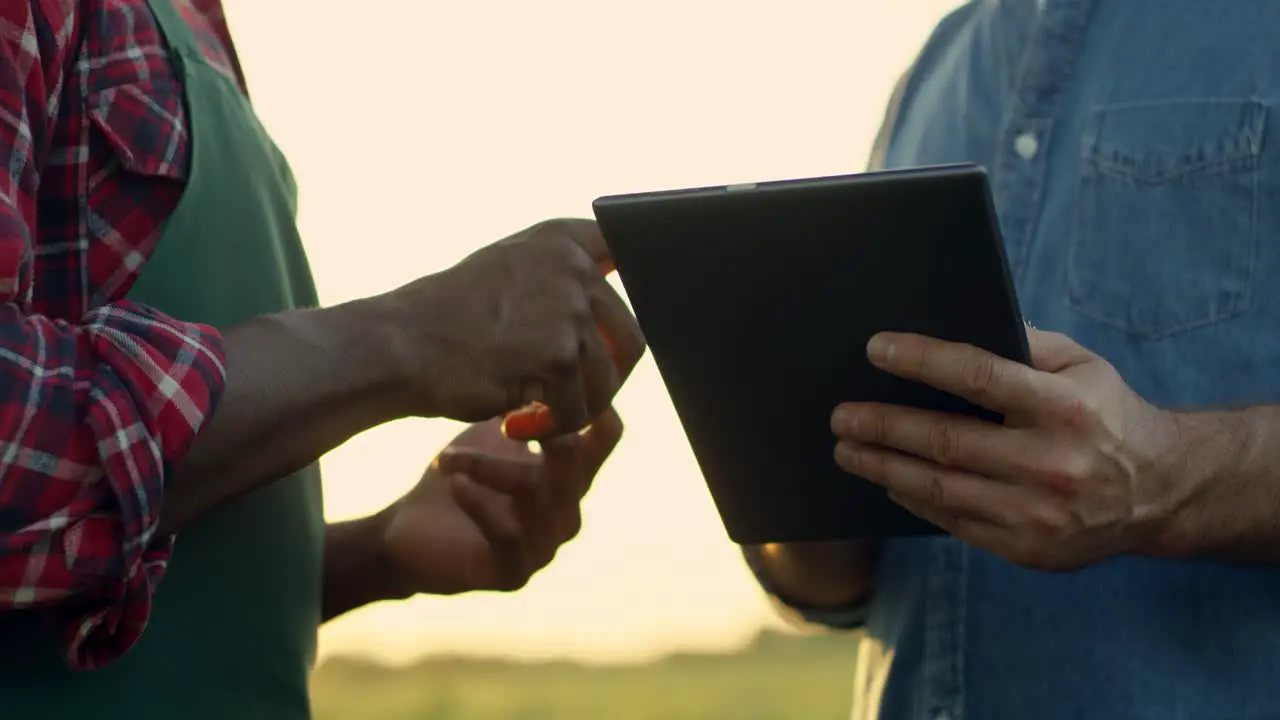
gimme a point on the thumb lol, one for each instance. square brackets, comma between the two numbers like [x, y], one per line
[1053, 352]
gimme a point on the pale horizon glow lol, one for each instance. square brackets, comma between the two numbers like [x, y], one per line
[420, 131]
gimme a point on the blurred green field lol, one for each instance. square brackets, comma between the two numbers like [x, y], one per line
[778, 676]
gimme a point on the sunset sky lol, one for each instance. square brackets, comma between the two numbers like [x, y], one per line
[420, 130]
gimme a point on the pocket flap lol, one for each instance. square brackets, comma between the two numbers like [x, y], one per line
[148, 138]
[1158, 141]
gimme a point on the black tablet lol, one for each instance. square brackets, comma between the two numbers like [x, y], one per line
[758, 300]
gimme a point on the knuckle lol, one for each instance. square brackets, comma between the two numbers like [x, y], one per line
[944, 443]
[916, 361]
[545, 558]
[514, 581]
[1082, 412]
[937, 491]
[868, 462]
[562, 365]
[577, 305]
[979, 374]
[551, 228]
[1074, 470]
[557, 237]
[584, 320]
[572, 526]
[579, 262]
[1061, 473]
[876, 427]
[558, 352]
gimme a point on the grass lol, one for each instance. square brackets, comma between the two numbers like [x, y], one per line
[777, 676]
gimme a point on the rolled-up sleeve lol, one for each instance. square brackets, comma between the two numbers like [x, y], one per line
[94, 412]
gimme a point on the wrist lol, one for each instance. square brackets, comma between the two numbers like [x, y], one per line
[358, 568]
[370, 329]
[386, 578]
[405, 322]
[1211, 451]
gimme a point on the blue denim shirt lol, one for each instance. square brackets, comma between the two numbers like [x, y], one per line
[1134, 152]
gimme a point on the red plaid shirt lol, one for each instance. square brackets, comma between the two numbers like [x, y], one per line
[99, 397]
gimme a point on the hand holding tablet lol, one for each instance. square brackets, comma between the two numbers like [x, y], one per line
[758, 301]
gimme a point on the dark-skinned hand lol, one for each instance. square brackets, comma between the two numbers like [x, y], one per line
[489, 513]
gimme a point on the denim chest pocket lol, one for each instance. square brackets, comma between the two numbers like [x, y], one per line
[1166, 217]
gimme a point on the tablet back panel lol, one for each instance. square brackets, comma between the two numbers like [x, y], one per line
[757, 302]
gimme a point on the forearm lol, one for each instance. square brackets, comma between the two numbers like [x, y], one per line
[815, 575]
[1231, 463]
[357, 571]
[298, 385]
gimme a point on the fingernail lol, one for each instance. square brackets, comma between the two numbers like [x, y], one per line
[880, 349]
[527, 424]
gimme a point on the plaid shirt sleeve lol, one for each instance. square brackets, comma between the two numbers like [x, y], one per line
[94, 410]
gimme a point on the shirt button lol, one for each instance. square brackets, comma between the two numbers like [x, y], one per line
[1026, 145]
